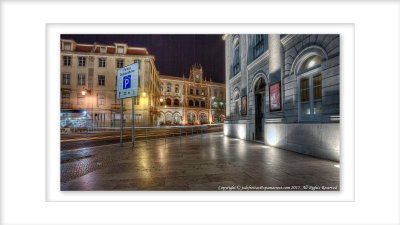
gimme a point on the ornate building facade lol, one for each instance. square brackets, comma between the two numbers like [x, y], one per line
[88, 85]
[284, 91]
[192, 100]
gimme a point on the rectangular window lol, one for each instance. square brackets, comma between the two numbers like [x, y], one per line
[258, 48]
[197, 92]
[67, 46]
[317, 93]
[102, 62]
[81, 99]
[137, 100]
[101, 99]
[120, 63]
[66, 79]
[67, 60]
[82, 61]
[236, 60]
[120, 50]
[65, 100]
[103, 49]
[305, 95]
[101, 80]
[191, 91]
[81, 79]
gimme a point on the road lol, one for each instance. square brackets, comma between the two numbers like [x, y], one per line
[84, 140]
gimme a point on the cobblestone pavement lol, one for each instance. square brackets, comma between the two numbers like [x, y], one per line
[204, 162]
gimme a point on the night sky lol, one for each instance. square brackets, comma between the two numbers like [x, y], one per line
[175, 54]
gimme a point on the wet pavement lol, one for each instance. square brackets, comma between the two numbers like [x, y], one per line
[203, 162]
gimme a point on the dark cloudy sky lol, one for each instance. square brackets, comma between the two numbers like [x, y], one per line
[175, 54]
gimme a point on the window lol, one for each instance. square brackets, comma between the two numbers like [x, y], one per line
[310, 89]
[120, 63]
[221, 105]
[176, 102]
[101, 99]
[197, 103]
[191, 91]
[101, 80]
[103, 49]
[137, 100]
[258, 47]
[168, 101]
[66, 79]
[236, 60]
[67, 46]
[176, 89]
[197, 92]
[190, 103]
[65, 100]
[82, 61]
[310, 63]
[161, 88]
[168, 89]
[67, 60]
[102, 62]
[120, 50]
[203, 104]
[81, 99]
[81, 79]
[215, 105]
[202, 92]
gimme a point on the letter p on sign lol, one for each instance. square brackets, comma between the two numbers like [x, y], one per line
[127, 82]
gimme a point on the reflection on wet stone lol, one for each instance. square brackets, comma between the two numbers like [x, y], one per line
[204, 162]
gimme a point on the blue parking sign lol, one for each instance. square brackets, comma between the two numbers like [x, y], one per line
[127, 82]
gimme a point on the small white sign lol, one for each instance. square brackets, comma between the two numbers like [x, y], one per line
[127, 81]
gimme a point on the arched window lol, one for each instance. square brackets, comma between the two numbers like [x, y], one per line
[168, 101]
[203, 104]
[203, 118]
[176, 102]
[190, 103]
[309, 82]
[176, 89]
[191, 91]
[191, 118]
[168, 118]
[310, 63]
[197, 103]
[177, 118]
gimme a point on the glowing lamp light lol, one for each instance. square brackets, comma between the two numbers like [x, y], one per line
[311, 63]
[161, 100]
[272, 138]
[144, 94]
[83, 92]
[337, 165]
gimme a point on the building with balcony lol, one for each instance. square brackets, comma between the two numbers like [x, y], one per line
[192, 100]
[284, 91]
[88, 85]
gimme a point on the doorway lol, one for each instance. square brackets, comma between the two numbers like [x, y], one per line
[259, 97]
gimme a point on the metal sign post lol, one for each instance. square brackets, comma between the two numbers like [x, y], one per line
[121, 126]
[133, 122]
[127, 87]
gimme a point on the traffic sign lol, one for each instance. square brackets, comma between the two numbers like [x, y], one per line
[127, 81]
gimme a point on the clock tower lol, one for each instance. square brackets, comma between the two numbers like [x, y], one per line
[196, 73]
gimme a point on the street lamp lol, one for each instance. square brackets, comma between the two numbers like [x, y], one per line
[144, 94]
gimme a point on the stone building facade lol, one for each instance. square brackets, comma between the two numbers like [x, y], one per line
[284, 91]
[88, 85]
[192, 100]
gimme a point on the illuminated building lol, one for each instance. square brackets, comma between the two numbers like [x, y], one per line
[192, 100]
[283, 90]
[88, 85]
